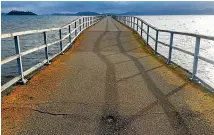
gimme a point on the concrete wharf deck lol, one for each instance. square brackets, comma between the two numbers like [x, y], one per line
[108, 83]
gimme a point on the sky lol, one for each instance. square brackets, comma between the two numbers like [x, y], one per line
[48, 7]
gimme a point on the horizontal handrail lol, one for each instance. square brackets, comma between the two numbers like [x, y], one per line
[133, 22]
[171, 31]
[11, 58]
[184, 51]
[82, 25]
[7, 35]
[27, 32]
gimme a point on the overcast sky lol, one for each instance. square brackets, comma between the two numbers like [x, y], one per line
[41, 7]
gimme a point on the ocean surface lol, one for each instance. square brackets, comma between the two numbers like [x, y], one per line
[194, 24]
[10, 24]
[198, 24]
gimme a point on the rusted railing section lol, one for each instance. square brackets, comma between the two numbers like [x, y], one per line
[80, 23]
[137, 23]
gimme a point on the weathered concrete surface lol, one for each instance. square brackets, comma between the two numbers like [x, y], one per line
[108, 85]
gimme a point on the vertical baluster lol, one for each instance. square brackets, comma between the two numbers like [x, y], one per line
[46, 48]
[75, 26]
[134, 23]
[147, 40]
[127, 20]
[69, 31]
[170, 48]
[131, 22]
[60, 37]
[19, 60]
[156, 42]
[86, 22]
[196, 54]
[83, 20]
[141, 33]
[124, 20]
[80, 24]
[137, 24]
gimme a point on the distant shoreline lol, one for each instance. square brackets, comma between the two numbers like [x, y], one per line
[14, 12]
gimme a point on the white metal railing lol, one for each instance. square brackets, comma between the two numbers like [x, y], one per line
[79, 25]
[132, 21]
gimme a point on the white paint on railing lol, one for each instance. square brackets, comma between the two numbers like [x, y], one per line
[131, 20]
[90, 21]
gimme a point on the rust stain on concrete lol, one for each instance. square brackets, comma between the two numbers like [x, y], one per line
[19, 104]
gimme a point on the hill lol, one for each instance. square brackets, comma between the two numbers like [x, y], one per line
[207, 11]
[14, 12]
[77, 14]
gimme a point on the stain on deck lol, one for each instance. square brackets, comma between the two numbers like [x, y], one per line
[108, 84]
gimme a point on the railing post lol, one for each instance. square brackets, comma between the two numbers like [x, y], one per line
[69, 30]
[46, 48]
[156, 42]
[124, 18]
[80, 24]
[19, 60]
[137, 25]
[88, 21]
[75, 26]
[196, 54]
[141, 32]
[131, 22]
[92, 18]
[83, 20]
[147, 39]
[170, 48]
[134, 23]
[60, 37]
[127, 21]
